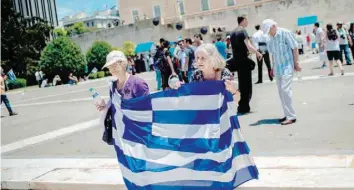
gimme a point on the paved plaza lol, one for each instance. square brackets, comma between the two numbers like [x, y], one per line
[61, 122]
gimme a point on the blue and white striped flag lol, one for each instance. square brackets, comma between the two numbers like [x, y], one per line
[11, 75]
[181, 139]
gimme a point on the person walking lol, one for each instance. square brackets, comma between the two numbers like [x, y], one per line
[183, 59]
[241, 46]
[320, 41]
[300, 42]
[38, 78]
[284, 49]
[221, 46]
[4, 97]
[166, 65]
[344, 41]
[191, 49]
[333, 49]
[260, 43]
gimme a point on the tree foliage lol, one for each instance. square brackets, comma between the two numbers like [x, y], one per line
[77, 28]
[61, 57]
[96, 55]
[22, 40]
[60, 32]
[129, 48]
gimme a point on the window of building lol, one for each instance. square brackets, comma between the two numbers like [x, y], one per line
[93, 24]
[157, 11]
[181, 7]
[135, 15]
[205, 5]
[88, 24]
[230, 2]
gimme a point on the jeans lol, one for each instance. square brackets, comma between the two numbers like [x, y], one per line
[158, 79]
[7, 103]
[345, 48]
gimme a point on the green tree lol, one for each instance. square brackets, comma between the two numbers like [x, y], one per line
[129, 48]
[22, 40]
[96, 55]
[60, 32]
[77, 28]
[61, 57]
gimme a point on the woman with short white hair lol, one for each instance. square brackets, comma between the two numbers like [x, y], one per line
[126, 85]
[211, 66]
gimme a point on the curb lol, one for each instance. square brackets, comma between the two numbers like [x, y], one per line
[298, 172]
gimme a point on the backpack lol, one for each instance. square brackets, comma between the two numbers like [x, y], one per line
[159, 60]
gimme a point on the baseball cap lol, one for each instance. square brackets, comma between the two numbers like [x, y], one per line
[340, 23]
[113, 57]
[267, 24]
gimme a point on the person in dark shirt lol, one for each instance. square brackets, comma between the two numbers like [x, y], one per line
[241, 46]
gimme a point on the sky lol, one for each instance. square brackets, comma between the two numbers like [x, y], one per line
[68, 7]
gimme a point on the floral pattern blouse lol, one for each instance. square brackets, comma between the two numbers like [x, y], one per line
[225, 75]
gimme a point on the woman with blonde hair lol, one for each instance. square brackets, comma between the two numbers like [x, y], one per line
[211, 66]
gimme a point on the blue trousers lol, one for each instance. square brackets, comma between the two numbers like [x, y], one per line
[345, 48]
[7, 103]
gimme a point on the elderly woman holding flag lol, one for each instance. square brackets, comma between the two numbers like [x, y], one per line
[211, 66]
[187, 138]
[127, 85]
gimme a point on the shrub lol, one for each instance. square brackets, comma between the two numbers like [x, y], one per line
[93, 76]
[100, 74]
[18, 83]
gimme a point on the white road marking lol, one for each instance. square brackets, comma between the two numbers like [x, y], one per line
[56, 102]
[48, 136]
[61, 94]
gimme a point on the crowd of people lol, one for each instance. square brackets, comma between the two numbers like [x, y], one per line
[282, 46]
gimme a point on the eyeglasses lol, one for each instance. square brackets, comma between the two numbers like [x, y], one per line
[180, 44]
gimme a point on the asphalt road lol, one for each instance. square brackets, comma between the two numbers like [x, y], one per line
[324, 106]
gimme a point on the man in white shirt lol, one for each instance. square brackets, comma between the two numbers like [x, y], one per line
[38, 78]
[320, 40]
[184, 60]
[259, 41]
[284, 49]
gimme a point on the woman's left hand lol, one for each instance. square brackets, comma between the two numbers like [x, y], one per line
[230, 86]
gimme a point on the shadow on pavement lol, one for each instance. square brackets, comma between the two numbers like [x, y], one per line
[266, 122]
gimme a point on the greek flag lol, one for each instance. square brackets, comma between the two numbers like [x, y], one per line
[11, 75]
[188, 138]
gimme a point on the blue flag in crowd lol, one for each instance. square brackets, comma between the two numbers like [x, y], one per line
[181, 139]
[11, 75]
